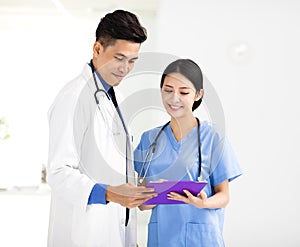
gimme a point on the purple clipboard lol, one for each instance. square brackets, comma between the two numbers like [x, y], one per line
[164, 188]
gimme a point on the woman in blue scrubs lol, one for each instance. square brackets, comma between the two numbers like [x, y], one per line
[182, 144]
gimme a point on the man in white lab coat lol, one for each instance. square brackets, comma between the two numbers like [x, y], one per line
[90, 172]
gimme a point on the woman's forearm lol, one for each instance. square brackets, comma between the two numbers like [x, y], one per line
[218, 200]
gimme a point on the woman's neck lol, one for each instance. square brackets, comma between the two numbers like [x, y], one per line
[182, 126]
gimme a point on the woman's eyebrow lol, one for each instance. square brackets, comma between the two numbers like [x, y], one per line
[184, 87]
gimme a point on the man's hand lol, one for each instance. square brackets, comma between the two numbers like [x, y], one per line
[128, 195]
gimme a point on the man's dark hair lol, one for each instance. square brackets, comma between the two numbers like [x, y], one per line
[120, 24]
[190, 70]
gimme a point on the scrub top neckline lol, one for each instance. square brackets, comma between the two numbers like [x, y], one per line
[177, 144]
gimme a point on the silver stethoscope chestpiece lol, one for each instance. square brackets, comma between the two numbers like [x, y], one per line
[140, 181]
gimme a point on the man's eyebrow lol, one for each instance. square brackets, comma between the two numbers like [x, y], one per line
[124, 56]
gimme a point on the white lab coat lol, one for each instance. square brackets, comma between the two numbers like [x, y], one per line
[86, 148]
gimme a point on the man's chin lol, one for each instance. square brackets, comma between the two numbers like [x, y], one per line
[116, 83]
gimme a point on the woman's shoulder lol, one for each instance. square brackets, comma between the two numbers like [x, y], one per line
[207, 127]
[212, 131]
[150, 133]
[148, 136]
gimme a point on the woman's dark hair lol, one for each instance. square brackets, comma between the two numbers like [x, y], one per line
[190, 70]
[120, 24]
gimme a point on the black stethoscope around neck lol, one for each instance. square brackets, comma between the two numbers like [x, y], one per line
[112, 117]
[152, 148]
[98, 90]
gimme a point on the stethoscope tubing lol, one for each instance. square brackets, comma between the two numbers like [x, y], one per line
[98, 90]
[152, 149]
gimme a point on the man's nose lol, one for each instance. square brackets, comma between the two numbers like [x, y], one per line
[124, 67]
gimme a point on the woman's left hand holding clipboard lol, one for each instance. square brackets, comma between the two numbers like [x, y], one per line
[198, 201]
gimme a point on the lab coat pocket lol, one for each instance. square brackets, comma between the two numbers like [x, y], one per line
[152, 231]
[93, 226]
[204, 235]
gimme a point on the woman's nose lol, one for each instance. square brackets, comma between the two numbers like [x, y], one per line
[175, 97]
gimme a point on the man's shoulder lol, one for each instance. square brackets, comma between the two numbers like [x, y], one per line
[75, 86]
[70, 93]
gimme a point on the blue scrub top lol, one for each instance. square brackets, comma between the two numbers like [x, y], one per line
[183, 224]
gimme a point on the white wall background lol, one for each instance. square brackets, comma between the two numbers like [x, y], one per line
[249, 50]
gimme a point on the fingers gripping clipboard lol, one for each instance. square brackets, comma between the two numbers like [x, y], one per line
[164, 188]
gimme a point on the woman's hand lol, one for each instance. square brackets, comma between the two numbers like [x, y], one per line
[197, 201]
[219, 200]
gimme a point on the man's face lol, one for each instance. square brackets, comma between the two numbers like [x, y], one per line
[115, 61]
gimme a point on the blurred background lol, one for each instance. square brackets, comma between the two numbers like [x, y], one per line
[249, 51]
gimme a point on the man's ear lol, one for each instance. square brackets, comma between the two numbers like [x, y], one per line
[97, 49]
[199, 95]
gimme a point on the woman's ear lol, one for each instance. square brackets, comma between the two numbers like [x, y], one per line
[199, 95]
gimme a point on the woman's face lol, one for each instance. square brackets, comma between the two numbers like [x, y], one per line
[178, 95]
